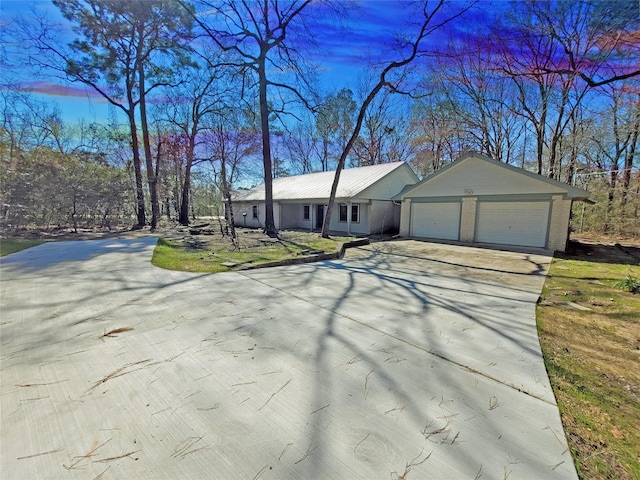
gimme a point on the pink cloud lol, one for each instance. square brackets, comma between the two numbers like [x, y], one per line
[57, 90]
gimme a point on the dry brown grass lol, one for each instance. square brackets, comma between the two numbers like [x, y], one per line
[590, 335]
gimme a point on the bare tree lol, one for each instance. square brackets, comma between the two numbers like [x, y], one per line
[430, 22]
[615, 141]
[484, 101]
[231, 142]
[115, 54]
[384, 137]
[555, 53]
[438, 137]
[52, 172]
[300, 145]
[596, 38]
[334, 122]
[187, 109]
[259, 34]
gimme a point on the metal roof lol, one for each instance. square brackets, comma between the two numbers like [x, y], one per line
[318, 185]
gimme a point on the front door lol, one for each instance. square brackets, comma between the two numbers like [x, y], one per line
[319, 216]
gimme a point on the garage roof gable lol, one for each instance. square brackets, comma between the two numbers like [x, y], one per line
[476, 174]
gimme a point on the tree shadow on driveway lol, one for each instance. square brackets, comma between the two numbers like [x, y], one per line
[373, 349]
[360, 368]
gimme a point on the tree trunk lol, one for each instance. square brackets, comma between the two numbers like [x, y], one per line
[345, 153]
[135, 147]
[269, 223]
[152, 178]
[226, 194]
[184, 203]
[610, 199]
[628, 163]
[186, 187]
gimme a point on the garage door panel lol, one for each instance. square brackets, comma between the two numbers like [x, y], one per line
[436, 220]
[513, 223]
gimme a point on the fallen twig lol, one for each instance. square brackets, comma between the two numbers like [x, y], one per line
[275, 393]
[115, 331]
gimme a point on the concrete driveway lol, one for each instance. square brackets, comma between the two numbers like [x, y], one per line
[403, 360]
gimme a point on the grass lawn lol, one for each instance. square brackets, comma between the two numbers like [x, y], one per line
[11, 245]
[211, 253]
[589, 328]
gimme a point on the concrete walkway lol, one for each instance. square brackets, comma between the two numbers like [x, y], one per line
[405, 358]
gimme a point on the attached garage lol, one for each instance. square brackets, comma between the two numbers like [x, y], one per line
[436, 220]
[513, 223]
[479, 200]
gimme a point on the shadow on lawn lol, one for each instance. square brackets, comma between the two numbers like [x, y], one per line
[601, 253]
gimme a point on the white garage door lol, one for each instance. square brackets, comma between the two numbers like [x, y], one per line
[513, 223]
[435, 220]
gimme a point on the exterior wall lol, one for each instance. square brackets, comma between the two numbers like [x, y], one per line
[360, 227]
[468, 219]
[479, 177]
[405, 217]
[559, 223]
[247, 207]
[391, 184]
[240, 220]
[292, 216]
[557, 226]
[384, 217]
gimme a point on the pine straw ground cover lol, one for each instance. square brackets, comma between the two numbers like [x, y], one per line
[589, 328]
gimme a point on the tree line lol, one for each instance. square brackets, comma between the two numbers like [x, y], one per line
[214, 90]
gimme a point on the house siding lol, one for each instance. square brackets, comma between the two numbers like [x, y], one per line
[371, 188]
[468, 219]
[478, 177]
[559, 223]
[390, 185]
[292, 216]
[357, 228]
[384, 217]
[242, 220]
[478, 181]
[405, 218]
[239, 208]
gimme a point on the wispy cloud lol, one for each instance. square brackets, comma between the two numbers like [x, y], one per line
[57, 90]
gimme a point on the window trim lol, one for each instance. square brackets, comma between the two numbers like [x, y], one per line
[255, 211]
[306, 212]
[346, 213]
[355, 208]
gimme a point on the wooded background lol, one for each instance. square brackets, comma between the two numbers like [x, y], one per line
[204, 104]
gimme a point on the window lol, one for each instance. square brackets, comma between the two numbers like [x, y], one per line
[255, 211]
[306, 212]
[355, 213]
[343, 213]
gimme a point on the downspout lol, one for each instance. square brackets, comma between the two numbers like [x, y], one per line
[312, 216]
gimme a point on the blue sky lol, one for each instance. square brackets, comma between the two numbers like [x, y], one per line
[342, 58]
